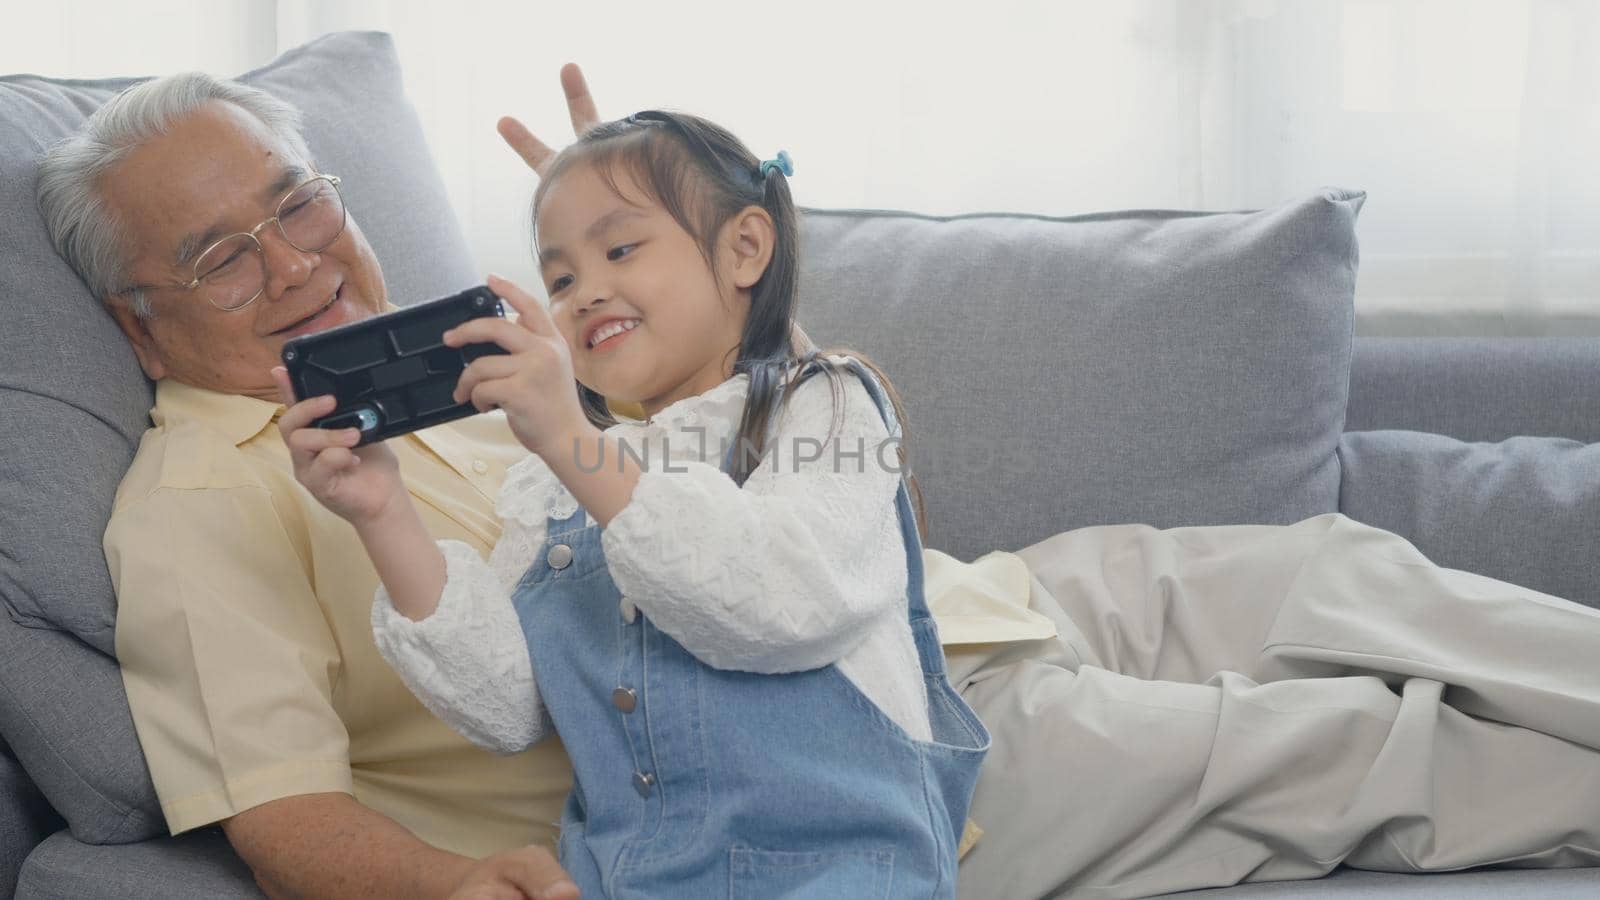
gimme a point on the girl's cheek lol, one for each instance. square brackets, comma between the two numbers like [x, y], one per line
[569, 333]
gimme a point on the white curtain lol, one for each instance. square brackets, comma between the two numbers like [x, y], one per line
[1473, 124]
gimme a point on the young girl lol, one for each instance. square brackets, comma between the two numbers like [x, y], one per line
[719, 608]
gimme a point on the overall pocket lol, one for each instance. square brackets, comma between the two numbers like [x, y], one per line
[783, 875]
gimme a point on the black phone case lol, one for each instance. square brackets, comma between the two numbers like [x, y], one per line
[392, 373]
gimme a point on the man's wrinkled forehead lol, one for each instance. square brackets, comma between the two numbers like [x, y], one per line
[207, 175]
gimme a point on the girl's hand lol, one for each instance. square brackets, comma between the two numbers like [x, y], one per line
[534, 383]
[359, 484]
[580, 107]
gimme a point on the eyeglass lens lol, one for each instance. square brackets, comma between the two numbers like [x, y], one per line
[233, 272]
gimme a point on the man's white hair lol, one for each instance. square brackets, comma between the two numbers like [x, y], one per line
[85, 230]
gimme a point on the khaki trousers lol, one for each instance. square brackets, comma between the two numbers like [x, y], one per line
[1258, 703]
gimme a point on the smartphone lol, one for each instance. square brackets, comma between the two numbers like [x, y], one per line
[392, 374]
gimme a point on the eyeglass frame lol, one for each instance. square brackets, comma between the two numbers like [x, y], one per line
[274, 219]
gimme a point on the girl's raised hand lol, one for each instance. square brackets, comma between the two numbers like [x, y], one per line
[533, 382]
[359, 484]
[580, 107]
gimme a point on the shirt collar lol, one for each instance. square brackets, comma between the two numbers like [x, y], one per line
[235, 415]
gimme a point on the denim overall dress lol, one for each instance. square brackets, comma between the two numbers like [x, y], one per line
[696, 782]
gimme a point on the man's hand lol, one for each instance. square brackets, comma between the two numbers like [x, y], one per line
[580, 106]
[530, 872]
[330, 847]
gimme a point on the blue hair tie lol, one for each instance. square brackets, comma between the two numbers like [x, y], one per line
[784, 163]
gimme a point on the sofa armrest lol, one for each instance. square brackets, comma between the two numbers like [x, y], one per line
[199, 865]
[25, 819]
[1477, 389]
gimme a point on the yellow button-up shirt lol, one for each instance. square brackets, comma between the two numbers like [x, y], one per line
[244, 635]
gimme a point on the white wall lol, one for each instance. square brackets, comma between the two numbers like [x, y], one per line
[1473, 124]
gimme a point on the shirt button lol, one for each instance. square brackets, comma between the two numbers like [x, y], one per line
[629, 611]
[624, 699]
[559, 557]
[642, 782]
[481, 467]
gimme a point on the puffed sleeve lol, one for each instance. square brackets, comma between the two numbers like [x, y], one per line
[227, 659]
[468, 662]
[789, 572]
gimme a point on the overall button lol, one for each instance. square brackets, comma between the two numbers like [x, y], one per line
[559, 557]
[643, 782]
[624, 699]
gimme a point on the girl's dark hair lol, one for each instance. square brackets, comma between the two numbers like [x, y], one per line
[703, 176]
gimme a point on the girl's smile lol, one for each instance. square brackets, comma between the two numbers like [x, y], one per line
[604, 335]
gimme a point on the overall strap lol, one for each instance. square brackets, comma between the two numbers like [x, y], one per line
[902, 498]
[922, 623]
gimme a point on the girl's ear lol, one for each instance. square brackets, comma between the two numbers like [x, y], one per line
[748, 240]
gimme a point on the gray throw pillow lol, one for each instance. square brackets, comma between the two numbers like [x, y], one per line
[1171, 368]
[74, 403]
[1524, 510]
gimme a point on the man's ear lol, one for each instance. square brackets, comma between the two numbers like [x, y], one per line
[748, 241]
[138, 333]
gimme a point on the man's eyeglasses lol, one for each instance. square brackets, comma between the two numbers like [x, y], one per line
[233, 271]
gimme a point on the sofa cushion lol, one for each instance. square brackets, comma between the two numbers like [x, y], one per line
[1524, 510]
[1169, 368]
[67, 721]
[74, 401]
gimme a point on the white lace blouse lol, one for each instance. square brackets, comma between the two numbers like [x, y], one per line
[801, 568]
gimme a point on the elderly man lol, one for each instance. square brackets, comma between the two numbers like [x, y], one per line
[193, 207]
[1219, 704]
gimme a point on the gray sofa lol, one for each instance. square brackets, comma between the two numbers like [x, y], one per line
[1163, 367]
